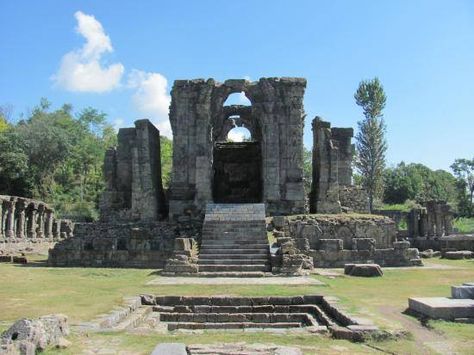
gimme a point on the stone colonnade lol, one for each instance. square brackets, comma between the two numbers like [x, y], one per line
[22, 218]
[435, 219]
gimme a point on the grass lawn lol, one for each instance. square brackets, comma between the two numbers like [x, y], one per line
[82, 294]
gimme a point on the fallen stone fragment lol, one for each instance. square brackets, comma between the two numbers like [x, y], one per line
[364, 270]
[27, 336]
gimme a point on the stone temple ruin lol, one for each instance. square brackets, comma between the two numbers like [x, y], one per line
[27, 223]
[215, 216]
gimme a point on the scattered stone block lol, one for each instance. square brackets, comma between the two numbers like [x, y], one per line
[170, 349]
[28, 336]
[20, 260]
[442, 307]
[6, 258]
[363, 270]
[458, 255]
[430, 253]
[462, 292]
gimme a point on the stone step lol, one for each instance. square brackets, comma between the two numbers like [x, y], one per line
[302, 318]
[232, 251]
[235, 256]
[231, 325]
[223, 261]
[234, 274]
[248, 238]
[238, 244]
[232, 267]
[262, 306]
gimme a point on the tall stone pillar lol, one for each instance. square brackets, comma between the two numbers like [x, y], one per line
[10, 219]
[21, 218]
[423, 222]
[56, 228]
[48, 225]
[413, 223]
[40, 222]
[31, 221]
[2, 234]
[324, 197]
[343, 137]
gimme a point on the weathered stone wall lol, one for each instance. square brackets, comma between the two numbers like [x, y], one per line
[29, 225]
[354, 199]
[138, 245]
[345, 227]
[399, 255]
[199, 119]
[132, 170]
[335, 240]
[331, 187]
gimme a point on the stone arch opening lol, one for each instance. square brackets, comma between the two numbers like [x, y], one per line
[237, 156]
[237, 98]
[239, 135]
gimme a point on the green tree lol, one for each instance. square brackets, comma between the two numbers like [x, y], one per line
[371, 144]
[464, 170]
[56, 156]
[5, 117]
[418, 183]
[166, 150]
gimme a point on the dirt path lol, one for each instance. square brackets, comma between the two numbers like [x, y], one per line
[428, 341]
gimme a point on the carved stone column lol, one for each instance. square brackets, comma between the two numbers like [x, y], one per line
[48, 225]
[31, 221]
[40, 222]
[56, 228]
[10, 219]
[21, 218]
[2, 210]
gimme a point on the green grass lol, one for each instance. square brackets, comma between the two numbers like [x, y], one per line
[402, 207]
[464, 224]
[82, 294]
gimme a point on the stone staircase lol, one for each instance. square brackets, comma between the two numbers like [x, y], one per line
[234, 241]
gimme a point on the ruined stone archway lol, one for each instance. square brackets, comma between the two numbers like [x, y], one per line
[236, 166]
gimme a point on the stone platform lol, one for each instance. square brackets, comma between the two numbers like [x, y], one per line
[442, 307]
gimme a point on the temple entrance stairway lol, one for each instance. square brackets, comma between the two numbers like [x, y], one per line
[234, 241]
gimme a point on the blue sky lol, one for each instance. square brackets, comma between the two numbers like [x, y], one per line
[125, 55]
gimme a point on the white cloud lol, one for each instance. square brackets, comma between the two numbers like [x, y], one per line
[151, 98]
[118, 123]
[81, 70]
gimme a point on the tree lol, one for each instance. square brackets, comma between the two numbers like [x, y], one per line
[464, 170]
[419, 183]
[5, 117]
[166, 150]
[57, 156]
[371, 145]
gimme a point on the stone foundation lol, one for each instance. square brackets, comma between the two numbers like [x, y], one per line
[336, 240]
[138, 245]
[346, 227]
